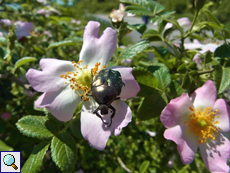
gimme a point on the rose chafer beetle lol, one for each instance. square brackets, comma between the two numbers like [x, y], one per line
[105, 87]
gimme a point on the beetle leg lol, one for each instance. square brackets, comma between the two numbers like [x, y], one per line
[117, 98]
[113, 114]
[95, 112]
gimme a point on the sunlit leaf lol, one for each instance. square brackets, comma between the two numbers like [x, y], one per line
[138, 10]
[134, 50]
[25, 60]
[163, 77]
[4, 147]
[68, 42]
[146, 80]
[142, 3]
[155, 7]
[221, 78]
[144, 166]
[63, 152]
[34, 162]
[37, 126]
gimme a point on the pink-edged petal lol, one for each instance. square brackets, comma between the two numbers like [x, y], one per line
[211, 47]
[61, 103]
[177, 111]
[131, 87]
[204, 96]
[223, 114]
[184, 21]
[97, 49]
[97, 133]
[215, 154]
[195, 45]
[186, 142]
[49, 78]
[44, 12]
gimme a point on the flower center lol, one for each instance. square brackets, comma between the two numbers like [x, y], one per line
[202, 124]
[79, 79]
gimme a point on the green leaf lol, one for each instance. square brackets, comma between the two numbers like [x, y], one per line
[211, 16]
[208, 57]
[150, 33]
[155, 7]
[4, 147]
[8, 54]
[222, 51]
[63, 152]
[3, 40]
[161, 25]
[142, 3]
[134, 50]
[137, 27]
[37, 126]
[182, 68]
[150, 107]
[138, 10]
[163, 78]
[213, 63]
[67, 42]
[201, 25]
[34, 162]
[144, 166]
[75, 128]
[25, 60]
[175, 89]
[177, 25]
[146, 80]
[221, 78]
[163, 16]
[186, 82]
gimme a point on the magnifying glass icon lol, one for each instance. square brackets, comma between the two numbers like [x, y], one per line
[9, 160]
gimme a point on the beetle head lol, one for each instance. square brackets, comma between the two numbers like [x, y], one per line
[104, 109]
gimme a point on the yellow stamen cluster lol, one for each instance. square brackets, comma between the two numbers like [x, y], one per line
[202, 124]
[79, 79]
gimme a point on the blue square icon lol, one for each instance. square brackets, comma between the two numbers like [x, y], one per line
[10, 161]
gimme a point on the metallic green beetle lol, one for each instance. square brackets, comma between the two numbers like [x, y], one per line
[105, 87]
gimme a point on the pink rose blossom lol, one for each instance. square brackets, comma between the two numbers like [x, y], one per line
[204, 48]
[60, 81]
[199, 120]
[22, 28]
